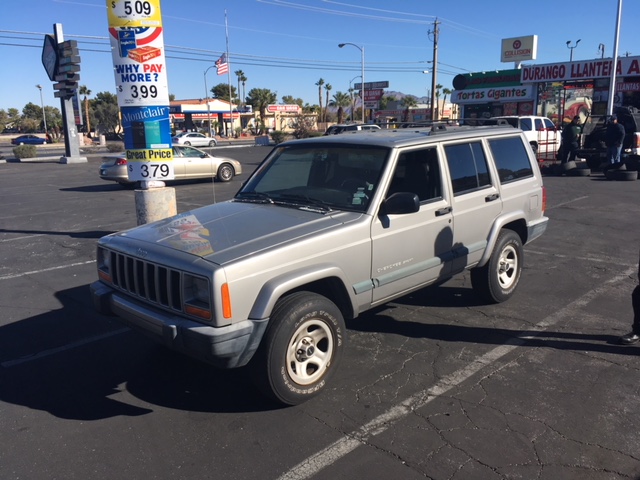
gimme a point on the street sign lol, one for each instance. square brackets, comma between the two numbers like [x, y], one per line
[368, 85]
[50, 56]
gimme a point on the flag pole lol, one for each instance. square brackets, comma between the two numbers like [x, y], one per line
[226, 30]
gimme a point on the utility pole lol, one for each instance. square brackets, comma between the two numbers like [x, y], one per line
[434, 74]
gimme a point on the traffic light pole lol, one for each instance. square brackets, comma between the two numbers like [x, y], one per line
[71, 138]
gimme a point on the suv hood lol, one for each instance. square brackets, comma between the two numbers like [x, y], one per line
[231, 230]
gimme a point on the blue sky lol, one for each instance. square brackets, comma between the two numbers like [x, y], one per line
[287, 46]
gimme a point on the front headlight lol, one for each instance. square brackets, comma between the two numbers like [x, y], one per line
[197, 296]
[104, 264]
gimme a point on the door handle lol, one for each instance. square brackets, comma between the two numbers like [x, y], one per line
[443, 211]
[492, 197]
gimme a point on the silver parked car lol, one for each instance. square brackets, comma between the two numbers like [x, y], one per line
[188, 163]
[323, 230]
[195, 139]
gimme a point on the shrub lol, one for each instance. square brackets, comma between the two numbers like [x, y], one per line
[278, 136]
[115, 146]
[25, 151]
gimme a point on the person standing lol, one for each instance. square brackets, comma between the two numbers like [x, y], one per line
[634, 335]
[613, 139]
[570, 140]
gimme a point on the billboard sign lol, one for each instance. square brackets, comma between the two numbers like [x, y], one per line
[519, 49]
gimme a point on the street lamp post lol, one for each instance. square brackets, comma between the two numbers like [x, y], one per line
[564, 84]
[206, 91]
[571, 48]
[351, 93]
[44, 116]
[362, 90]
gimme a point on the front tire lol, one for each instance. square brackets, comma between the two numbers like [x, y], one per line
[496, 281]
[301, 349]
[225, 173]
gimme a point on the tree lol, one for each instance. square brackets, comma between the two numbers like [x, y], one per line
[107, 112]
[327, 89]
[445, 92]
[340, 101]
[240, 75]
[408, 102]
[221, 92]
[384, 101]
[320, 83]
[289, 100]
[259, 99]
[436, 111]
[83, 90]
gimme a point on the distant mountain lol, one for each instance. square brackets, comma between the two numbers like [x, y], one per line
[399, 96]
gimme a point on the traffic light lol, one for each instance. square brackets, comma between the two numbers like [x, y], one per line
[67, 74]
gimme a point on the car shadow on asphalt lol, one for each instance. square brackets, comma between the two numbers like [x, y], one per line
[376, 321]
[77, 364]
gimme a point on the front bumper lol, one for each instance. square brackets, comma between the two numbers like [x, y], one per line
[224, 347]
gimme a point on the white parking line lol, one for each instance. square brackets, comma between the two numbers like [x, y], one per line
[53, 351]
[18, 275]
[350, 441]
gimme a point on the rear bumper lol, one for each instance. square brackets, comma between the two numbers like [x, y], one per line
[225, 347]
[536, 228]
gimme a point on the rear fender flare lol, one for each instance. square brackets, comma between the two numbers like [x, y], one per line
[497, 226]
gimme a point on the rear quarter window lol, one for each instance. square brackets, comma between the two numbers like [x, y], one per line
[467, 166]
[511, 159]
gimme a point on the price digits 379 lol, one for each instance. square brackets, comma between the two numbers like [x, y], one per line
[152, 170]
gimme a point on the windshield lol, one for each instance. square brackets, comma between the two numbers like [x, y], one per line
[320, 177]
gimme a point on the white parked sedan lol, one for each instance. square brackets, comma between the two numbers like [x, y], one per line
[188, 163]
[195, 139]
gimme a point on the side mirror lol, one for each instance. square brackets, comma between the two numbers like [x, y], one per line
[400, 203]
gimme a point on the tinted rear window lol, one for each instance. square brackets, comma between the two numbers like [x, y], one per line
[512, 159]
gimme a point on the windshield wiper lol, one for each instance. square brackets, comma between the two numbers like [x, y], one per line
[302, 201]
[253, 197]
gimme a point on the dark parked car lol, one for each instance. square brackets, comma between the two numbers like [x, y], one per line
[28, 140]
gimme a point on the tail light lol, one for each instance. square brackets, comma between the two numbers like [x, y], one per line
[636, 140]
[121, 161]
[544, 199]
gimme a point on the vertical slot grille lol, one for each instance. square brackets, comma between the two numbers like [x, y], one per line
[154, 283]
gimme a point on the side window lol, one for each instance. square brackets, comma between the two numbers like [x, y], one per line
[526, 125]
[512, 160]
[468, 166]
[418, 172]
[539, 125]
[549, 124]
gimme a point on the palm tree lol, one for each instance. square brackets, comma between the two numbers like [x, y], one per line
[243, 79]
[260, 98]
[327, 89]
[320, 83]
[436, 111]
[408, 102]
[340, 100]
[83, 90]
[239, 74]
[445, 92]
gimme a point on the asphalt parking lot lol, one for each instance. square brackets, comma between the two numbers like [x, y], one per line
[433, 385]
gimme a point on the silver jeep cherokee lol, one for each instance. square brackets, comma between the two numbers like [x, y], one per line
[324, 230]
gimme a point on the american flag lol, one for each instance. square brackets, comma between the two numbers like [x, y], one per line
[223, 66]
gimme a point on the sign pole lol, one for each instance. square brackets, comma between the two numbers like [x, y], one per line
[137, 47]
[71, 138]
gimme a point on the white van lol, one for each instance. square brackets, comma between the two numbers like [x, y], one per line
[542, 134]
